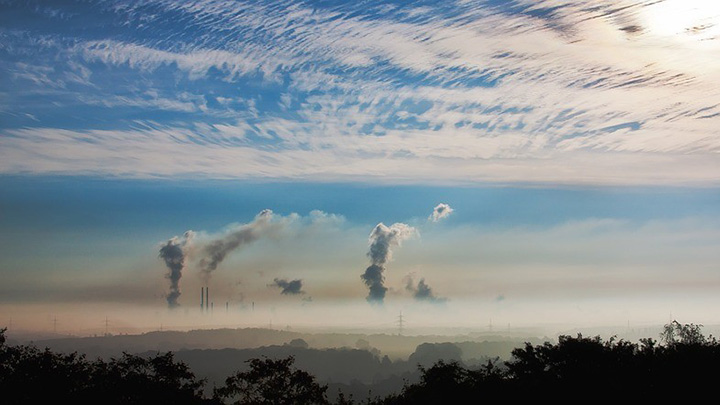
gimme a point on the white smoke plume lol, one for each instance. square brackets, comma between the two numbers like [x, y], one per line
[381, 239]
[216, 250]
[212, 250]
[441, 211]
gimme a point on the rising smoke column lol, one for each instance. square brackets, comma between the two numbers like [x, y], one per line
[216, 250]
[440, 211]
[381, 239]
[292, 287]
[173, 252]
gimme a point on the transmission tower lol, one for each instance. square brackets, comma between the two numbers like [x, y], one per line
[400, 324]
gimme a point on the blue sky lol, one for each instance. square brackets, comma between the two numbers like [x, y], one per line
[577, 136]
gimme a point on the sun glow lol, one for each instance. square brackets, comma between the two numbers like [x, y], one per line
[684, 19]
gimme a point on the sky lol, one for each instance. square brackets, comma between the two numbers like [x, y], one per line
[465, 162]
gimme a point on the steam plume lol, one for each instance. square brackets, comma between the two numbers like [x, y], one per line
[441, 211]
[216, 250]
[173, 252]
[381, 239]
[292, 287]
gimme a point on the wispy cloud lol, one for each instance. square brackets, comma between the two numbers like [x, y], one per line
[215, 152]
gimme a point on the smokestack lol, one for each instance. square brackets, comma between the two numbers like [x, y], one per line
[202, 299]
[207, 299]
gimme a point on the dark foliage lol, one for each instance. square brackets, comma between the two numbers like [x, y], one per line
[29, 375]
[683, 368]
[273, 382]
[156, 380]
[581, 368]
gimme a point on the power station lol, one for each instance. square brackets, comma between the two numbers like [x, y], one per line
[205, 305]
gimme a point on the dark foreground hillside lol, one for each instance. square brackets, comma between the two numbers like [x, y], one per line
[682, 366]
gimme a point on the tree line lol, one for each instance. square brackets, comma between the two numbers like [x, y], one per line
[683, 365]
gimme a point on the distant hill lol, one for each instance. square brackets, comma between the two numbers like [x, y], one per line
[396, 347]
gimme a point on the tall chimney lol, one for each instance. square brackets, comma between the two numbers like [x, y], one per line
[207, 299]
[202, 298]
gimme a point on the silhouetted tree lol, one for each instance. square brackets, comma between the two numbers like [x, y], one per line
[579, 367]
[689, 360]
[270, 381]
[689, 334]
[685, 367]
[137, 379]
[444, 382]
[29, 375]
[573, 366]
[450, 382]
